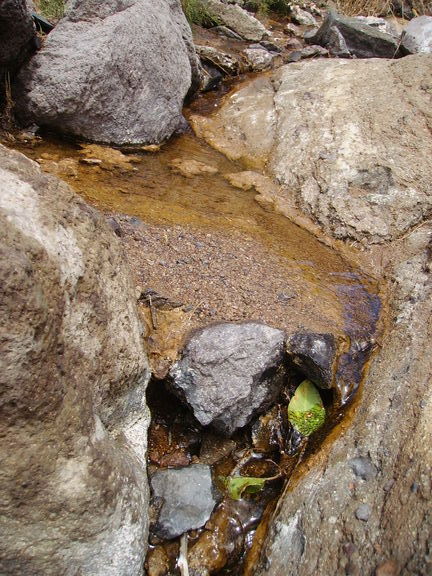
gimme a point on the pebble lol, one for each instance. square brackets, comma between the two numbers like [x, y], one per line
[363, 512]
[187, 499]
[363, 468]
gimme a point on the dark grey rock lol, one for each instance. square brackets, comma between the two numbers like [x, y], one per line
[230, 372]
[315, 355]
[417, 36]
[186, 499]
[17, 35]
[360, 40]
[116, 72]
[363, 512]
[363, 468]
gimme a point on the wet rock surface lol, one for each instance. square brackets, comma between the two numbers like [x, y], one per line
[315, 355]
[186, 499]
[355, 170]
[230, 372]
[74, 373]
[81, 82]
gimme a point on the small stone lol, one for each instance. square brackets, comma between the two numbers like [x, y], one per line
[187, 499]
[387, 568]
[363, 468]
[258, 58]
[190, 167]
[292, 30]
[315, 354]
[363, 512]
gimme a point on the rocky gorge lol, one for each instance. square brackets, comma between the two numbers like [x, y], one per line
[199, 274]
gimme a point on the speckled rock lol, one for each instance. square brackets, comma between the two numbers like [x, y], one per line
[73, 378]
[235, 18]
[417, 36]
[185, 497]
[17, 35]
[230, 372]
[315, 355]
[102, 74]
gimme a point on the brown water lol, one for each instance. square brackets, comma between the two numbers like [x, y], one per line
[272, 253]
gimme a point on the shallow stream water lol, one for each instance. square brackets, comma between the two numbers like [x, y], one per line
[286, 277]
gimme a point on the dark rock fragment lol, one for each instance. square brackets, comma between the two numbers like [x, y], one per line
[315, 355]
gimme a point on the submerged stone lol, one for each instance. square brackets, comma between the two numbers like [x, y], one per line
[186, 497]
[230, 372]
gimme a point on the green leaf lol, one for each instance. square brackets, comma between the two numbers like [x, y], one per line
[238, 485]
[306, 411]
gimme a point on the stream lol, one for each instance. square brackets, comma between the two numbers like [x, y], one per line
[204, 251]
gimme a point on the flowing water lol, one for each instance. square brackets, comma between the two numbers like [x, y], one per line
[211, 246]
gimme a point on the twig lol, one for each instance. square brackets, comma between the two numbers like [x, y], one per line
[152, 312]
[182, 561]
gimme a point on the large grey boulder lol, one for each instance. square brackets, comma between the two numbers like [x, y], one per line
[346, 37]
[349, 142]
[417, 36]
[73, 374]
[230, 372]
[115, 71]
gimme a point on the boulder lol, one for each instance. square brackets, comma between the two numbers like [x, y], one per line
[352, 156]
[185, 499]
[346, 37]
[236, 18]
[362, 505]
[73, 378]
[114, 72]
[417, 36]
[17, 35]
[230, 372]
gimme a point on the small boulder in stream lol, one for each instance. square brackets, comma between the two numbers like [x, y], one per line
[230, 372]
[186, 499]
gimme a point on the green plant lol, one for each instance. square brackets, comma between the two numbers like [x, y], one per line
[197, 12]
[52, 9]
[266, 6]
[306, 411]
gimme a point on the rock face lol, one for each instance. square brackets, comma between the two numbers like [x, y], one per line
[418, 35]
[230, 372]
[73, 377]
[17, 35]
[186, 497]
[365, 502]
[114, 72]
[359, 166]
[345, 37]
